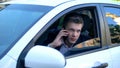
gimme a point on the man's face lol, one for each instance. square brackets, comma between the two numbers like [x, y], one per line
[74, 30]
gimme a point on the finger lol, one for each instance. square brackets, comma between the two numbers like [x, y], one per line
[65, 34]
[65, 31]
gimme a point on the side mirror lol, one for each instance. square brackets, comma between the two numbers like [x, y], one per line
[44, 57]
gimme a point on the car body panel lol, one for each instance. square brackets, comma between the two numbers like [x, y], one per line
[37, 2]
[90, 60]
[114, 53]
[55, 2]
[8, 62]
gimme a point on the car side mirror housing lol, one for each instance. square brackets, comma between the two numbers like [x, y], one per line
[44, 57]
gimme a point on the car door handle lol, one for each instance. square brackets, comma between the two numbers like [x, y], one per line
[102, 65]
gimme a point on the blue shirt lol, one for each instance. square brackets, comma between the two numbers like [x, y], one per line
[64, 49]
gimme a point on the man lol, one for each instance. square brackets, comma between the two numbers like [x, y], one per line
[69, 34]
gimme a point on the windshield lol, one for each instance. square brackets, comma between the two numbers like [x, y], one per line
[15, 20]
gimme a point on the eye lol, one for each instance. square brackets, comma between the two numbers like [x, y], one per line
[71, 30]
[78, 31]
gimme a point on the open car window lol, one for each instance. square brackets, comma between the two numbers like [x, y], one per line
[89, 38]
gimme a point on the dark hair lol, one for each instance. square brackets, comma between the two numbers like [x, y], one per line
[72, 17]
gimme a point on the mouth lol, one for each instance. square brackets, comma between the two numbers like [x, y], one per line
[73, 39]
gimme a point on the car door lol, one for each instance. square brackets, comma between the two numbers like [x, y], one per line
[96, 55]
[112, 19]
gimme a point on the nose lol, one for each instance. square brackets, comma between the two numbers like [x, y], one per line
[75, 34]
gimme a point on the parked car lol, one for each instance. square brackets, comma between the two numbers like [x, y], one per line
[25, 25]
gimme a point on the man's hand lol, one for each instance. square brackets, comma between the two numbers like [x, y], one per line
[59, 38]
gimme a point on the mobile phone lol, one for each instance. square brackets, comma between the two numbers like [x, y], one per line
[65, 37]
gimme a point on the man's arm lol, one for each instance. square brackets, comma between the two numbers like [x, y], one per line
[59, 39]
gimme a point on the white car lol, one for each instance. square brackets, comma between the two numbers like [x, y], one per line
[25, 25]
